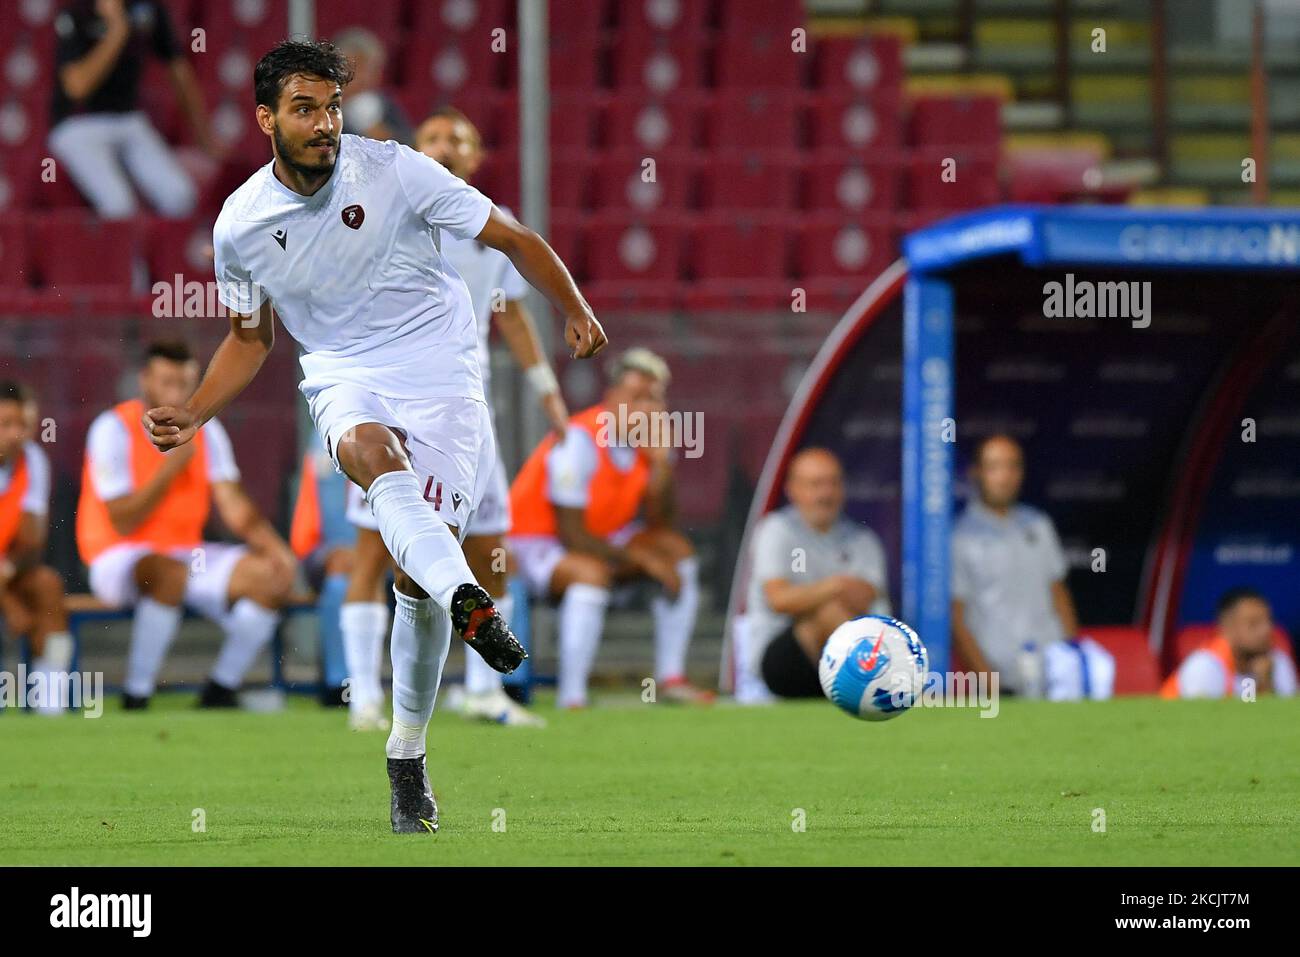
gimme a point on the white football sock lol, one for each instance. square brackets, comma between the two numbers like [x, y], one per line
[153, 629]
[363, 624]
[53, 663]
[675, 621]
[249, 627]
[582, 619]
[420, 642]
[480, 677]
[420, 542]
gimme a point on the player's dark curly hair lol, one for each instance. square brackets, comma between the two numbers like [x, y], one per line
[289, 57]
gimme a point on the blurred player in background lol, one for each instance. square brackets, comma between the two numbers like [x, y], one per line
[1243, 650]
[98, 132]
[324, 540]
[497, 292]
[577, 532]
[140, 523]
[339, 235]
[1011, 609]
[31, 593]
[371, 110]
[813, 570]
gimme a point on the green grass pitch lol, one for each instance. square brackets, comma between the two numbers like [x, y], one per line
[1179, 783]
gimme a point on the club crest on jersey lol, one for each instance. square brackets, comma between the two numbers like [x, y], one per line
[353, 216]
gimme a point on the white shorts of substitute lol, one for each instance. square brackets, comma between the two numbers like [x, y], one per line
[449, 441]
[112, 575]
[492, 517]
[537, 555]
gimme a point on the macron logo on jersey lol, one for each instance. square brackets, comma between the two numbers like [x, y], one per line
[280, 237]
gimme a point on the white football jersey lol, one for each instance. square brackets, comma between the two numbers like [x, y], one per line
[355, 273]
[492, 280]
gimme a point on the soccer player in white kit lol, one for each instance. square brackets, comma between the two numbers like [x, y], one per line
[496, 291]
[340, 236]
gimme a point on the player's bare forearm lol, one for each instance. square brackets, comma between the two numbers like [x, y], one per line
[186, 86]
[787, 598]
[83, 77]
[575, 536]
[963, 640]
[234, 365]
[537, 263]
[520, 333]
[1064, 605]
[661, 497]
[128, 512]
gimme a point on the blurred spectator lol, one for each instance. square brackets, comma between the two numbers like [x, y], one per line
[140, 524]
[371, 111]
[1242, 651]
[98, 133]
[813, 570]
[31, 592]
[577, 532]
[1011, 610]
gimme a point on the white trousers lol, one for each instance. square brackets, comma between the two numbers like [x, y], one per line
[104, 153]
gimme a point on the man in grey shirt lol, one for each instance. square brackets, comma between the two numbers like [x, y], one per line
[812, 570]
[1008, 573]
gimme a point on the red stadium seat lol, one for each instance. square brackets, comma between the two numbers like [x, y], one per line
[632, 295]
[20, 176]
[974, 175]
[649, 17]
[574, 60]
[255, 26]
[1136, 671]
[76, 249]
[743, 296]
[753, 119]
[750, 181]
[751, 16]
[659, 63]
[833, 183]
[181, 247]
[381, 17]
[859, 63]
[629, 246]
[572, 16]
[574, 119]
[740, 246]
[834, 245]
[476, 18]
[450, 66]
[702, 481]
[15, 265]
[956, 121]
[761, 59]
[635, 181]
[857, 122]
[569, 180]
[671, 123]
[566, 237]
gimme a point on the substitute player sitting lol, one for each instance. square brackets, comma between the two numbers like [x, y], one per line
[577, 529]
[1243, 652]
[31, 593]
[340, 236]
[140, 525]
